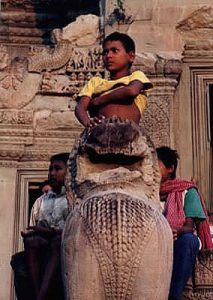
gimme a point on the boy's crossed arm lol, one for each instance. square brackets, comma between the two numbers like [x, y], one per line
[124, 93]
[121, 94]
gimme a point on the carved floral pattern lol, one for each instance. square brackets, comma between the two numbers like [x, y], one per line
[16, 117]
[15, 74]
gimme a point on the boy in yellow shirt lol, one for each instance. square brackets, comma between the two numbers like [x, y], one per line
[123, 95]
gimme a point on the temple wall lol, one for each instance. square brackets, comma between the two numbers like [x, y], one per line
[42, 70]
[7, 212]
[152, 23]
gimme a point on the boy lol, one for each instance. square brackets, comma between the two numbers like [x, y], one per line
[123, 95]
[185, 212]
[42, 239]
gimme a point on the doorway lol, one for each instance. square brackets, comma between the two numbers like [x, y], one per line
[211, 146]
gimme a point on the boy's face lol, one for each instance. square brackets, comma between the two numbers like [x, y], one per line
[57, 172]
[165, 172]
[115, 57]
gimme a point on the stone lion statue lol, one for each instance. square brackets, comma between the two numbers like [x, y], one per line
[116, 242]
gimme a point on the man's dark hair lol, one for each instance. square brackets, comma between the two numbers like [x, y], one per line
[169, 157]
[127, 41]
[61, 157]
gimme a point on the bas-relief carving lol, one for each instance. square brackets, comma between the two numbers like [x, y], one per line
[164, 70]
[196, 30]
[156, 119]
[16, 117]
[66, 39]
[199, 19]
[64, 70]
[13, 81]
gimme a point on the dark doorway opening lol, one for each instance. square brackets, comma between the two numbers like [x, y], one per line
[211, 144]
[34, 191]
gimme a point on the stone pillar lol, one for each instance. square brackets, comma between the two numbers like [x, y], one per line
[7, 209]
[163, 69]
[194, 118]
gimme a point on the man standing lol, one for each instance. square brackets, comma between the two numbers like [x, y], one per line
[42, 239]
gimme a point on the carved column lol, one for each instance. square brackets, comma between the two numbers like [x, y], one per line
[164, 70]
[194, 102]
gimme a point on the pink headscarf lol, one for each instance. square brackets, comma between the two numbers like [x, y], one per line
[174, 212]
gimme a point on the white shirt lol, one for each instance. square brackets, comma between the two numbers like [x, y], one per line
[51, 209]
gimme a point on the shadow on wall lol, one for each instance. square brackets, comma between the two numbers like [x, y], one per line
[51, 14]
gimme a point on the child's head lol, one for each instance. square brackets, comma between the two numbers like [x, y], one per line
[118, 53]
[57, 170]
[127, 41]
[168, 160]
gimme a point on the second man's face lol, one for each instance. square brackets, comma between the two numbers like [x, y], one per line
[165, 172]
[57, 173]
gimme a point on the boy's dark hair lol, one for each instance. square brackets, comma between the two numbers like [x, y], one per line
[169, 157]
[127, 41]
[61, 157]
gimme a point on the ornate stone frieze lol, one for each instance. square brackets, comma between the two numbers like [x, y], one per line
[11, 152]
[163, 86]
[16, 117]
[17, 3]
[16, 130]
[67, 69]
[15, 74]
[85, 59]
[156, 119]
[73, 58]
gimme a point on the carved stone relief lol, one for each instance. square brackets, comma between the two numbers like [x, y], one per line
[164, 70]
[156, 119]
[197, 32]
[63, 70]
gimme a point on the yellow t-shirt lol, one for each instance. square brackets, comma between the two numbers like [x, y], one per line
[98, 85]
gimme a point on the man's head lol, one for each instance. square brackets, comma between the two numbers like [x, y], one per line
[57, 170]
[168, 160]
[118, 51]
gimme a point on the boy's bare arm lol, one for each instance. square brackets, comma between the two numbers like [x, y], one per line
[81, 112]
[128, 92]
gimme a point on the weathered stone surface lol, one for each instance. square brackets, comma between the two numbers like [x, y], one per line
[54, 120]
[201, 18]
[83, 32]
[116, 224]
